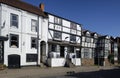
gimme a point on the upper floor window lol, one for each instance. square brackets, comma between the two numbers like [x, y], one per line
[73, 38]
[73, 26]
[58, 20]
[34, 25]
[57, 35]
[14, 41]
[33, 42]
[88, 39]
[14, 20]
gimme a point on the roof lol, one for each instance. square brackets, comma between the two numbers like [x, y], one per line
[48, 13]
[24, 6]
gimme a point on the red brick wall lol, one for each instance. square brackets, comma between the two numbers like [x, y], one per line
[87, 62]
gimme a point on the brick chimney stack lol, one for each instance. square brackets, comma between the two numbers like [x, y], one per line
[41, 6]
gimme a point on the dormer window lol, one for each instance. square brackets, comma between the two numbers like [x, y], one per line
[14, 20]
[88, 34]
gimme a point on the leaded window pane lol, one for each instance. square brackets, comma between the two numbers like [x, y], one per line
[73, 38]
[57, 35]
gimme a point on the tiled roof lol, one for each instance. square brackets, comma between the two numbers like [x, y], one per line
[24, 6]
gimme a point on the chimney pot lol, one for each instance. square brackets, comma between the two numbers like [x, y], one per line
[41, 6]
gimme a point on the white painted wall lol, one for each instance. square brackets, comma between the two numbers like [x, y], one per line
[24, 32]
[56, 62]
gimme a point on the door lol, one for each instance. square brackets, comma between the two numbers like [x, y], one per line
[43, 52]
[61, 51]
[13, 61]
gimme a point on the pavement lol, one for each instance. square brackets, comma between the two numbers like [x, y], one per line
[58, 72]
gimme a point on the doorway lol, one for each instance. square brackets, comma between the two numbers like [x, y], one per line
[43, 52]
[62, 51]
[14, 61]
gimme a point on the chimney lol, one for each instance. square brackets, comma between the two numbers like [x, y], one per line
[41, 6]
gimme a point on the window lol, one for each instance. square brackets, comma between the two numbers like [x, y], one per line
[14, 41]
[54, 48]
[34, 25]
[31, 57]
[33, 42]
[58, 20]
[72, 38]
[14, 20]
[88, 40]
[86, 53]
[73, 26]
[57, 35]
[71, 49]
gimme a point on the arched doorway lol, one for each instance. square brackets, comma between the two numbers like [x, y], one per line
[43, 52]
[14, 61]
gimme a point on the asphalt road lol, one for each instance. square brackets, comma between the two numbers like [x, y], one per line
[111, 73]
[62, 72]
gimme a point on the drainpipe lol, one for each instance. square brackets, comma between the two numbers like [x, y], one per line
[81, 44]
[0, 18]
[37, 40]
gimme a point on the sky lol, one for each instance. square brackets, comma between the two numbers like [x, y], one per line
[101, 16]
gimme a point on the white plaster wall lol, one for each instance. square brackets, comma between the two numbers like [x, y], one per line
[66, 23]
[66, 30]
[50, 34]
[76, 61]
[64, 35]
[56, 62]
[44, 29]
[79, 27]
[24, 32]
[78, 39]
[51, 25]
[51, 18]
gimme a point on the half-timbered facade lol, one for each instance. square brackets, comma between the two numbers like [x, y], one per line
[64, 40]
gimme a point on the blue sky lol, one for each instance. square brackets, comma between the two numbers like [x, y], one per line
[101, 16]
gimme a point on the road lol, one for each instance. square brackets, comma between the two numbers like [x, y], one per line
[62, 72]
[111, 73]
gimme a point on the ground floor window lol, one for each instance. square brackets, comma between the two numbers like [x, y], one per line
[54, 51]
[33, 42]
[31, 57]
[71, 49]
[14, 41]
[54, 48]
[86, 52]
